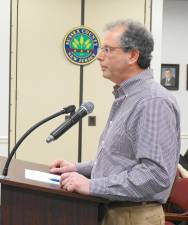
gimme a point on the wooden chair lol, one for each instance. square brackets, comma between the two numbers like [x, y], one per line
[178, 198]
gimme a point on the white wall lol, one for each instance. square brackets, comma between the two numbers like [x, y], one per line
[175, 50]
[156, 29]
[4, 73]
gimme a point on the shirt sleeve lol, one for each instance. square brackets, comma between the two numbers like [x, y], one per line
[85, 168]
[155, 137]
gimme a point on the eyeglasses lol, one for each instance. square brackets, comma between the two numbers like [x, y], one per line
[108, 49]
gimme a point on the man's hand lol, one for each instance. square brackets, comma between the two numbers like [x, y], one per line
[62, 166]
[73, 181]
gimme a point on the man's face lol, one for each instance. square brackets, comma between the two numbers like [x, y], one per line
[113, 60]
[168, 74]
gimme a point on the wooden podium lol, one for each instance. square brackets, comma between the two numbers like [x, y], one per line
[28, 202]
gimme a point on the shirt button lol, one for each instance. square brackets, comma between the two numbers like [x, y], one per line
[103, 142]
[110, 122]
[95, 163]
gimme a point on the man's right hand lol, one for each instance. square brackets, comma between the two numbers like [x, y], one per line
[62, 166]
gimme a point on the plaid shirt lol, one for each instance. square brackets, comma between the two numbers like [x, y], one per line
[139, 148]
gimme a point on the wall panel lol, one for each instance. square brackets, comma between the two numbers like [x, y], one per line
[44, 80]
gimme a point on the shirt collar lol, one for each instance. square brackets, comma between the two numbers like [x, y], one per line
[128, 86]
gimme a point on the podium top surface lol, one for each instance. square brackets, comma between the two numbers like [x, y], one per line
[16, 178]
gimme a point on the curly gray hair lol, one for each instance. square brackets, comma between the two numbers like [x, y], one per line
[135, 36]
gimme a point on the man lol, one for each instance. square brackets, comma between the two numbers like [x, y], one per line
[139, 148]
[168, 79]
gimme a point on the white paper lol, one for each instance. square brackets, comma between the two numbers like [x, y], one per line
[42, 176]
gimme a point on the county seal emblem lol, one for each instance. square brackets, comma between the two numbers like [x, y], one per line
[81, 45]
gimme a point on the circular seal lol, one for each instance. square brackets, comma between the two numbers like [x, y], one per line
[81, 45]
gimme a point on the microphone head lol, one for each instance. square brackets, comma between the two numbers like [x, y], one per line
[88, 106]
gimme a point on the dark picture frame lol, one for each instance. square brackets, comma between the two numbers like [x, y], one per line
[170, 76]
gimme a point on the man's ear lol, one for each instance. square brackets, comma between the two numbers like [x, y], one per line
[133, 56]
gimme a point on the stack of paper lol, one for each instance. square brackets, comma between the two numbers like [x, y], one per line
[42, 176]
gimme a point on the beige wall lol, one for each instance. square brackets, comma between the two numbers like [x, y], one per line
[43, 80]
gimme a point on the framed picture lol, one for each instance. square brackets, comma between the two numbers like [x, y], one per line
[170, 76]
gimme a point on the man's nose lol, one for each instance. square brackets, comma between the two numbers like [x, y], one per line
[100, 55]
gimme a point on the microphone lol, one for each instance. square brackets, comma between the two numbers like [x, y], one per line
[84, 109]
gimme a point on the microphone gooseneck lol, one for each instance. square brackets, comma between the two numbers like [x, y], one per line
[84, 109]
[68, 109]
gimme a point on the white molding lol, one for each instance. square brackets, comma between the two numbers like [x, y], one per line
[3, 140]
[184, 135]
[156, 29]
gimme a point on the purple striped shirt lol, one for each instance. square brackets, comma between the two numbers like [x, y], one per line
[139, 148]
